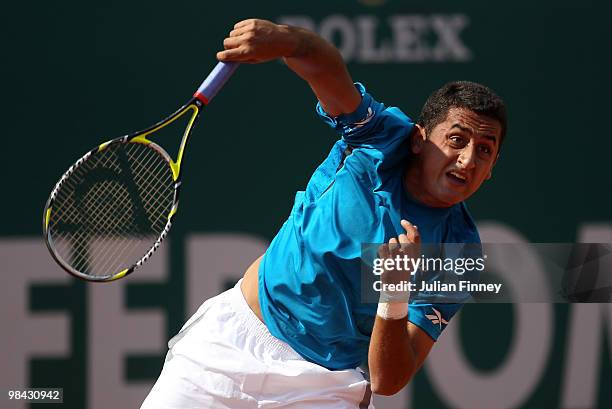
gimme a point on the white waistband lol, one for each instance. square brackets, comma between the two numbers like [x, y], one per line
[258, 329]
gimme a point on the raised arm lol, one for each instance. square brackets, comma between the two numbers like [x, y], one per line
[308, 55]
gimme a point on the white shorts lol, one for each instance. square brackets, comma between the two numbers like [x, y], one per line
[225, 357]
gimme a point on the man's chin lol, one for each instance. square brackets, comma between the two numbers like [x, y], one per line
[443, 196]
[450, 197]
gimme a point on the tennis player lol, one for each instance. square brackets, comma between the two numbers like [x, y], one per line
[293, 333]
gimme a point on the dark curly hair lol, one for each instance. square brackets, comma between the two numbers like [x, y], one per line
[463, 94]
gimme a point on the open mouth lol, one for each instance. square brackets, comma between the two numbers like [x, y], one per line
[457, 178]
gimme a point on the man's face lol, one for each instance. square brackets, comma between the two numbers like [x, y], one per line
[455, 158]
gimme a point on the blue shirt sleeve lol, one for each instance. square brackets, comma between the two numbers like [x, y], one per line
[374, 131]
[432, 318]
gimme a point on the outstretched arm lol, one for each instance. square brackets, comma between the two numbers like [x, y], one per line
[311, 57]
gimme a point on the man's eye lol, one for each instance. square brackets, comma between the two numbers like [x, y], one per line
[456, 140]
[485, 149]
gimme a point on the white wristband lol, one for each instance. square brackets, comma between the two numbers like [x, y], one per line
[392, 310]
[393, 304]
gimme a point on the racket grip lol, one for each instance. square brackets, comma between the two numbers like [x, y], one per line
[215, 80]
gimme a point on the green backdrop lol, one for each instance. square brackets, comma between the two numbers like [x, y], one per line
[75, 74]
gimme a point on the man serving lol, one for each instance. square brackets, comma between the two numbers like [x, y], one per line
[294, 332]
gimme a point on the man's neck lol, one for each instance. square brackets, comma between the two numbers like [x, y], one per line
[413, 184]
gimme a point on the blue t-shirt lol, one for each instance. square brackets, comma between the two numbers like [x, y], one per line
[309, 278]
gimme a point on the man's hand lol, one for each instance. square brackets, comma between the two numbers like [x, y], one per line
[406, 245]
[397, 348]
[308, 55]
[255, 41]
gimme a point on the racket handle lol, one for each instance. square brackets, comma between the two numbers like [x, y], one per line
[215, 80]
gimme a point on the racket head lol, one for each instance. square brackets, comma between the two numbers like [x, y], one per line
[112, 209]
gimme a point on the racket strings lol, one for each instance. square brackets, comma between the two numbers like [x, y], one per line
[105, 250]
[93, 210]
[156, 203]
[81, 246]
[112, 208]
[66, 194]
[146, 181]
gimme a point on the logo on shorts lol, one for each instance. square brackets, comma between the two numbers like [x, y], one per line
[436, 318]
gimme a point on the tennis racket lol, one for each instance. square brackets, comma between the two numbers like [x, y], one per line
[114, 206]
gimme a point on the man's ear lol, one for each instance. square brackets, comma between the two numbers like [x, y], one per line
[418, 139]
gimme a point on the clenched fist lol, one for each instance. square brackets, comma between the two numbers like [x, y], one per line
[398, 269]
[255, 41]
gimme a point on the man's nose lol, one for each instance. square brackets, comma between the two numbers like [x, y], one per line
[466, 159]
